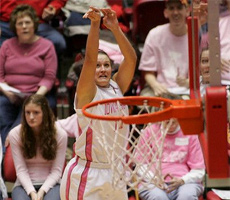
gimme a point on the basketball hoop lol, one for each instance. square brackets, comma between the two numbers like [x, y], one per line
[188, 112]
[131, 163]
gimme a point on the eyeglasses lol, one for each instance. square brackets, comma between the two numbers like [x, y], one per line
[24, 23]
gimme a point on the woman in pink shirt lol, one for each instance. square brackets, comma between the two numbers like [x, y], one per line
[46, 11]
[28, 63]
[182, 164]
[38, 147]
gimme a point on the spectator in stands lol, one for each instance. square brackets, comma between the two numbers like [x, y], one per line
[164, 59]
[74, 11]
[182, 164]
[28, 63]
[38, 148]
[205, 71]
[45, 9]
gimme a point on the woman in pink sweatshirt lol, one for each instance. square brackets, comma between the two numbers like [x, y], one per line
[38, 147]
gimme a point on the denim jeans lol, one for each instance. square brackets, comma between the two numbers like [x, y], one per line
[185, 192]
[19, 193]
[44, 30]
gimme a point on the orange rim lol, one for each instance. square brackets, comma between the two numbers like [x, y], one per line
[180, 109]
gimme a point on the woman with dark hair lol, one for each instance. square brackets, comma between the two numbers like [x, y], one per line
[28, 63]
[38, 147]
[46, 11]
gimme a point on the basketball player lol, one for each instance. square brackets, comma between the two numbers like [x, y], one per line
[88, 175]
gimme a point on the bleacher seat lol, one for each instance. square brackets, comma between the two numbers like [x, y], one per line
[9, 173]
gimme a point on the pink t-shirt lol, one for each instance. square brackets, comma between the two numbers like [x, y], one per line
[165, 54]
[181, 153]
[37, 171]
[224, 27]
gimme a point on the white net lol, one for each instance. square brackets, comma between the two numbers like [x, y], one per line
[135, 157]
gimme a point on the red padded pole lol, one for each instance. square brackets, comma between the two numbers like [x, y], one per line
[193, 49]
[216, 128]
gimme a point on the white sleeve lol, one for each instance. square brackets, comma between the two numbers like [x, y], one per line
[194, 176]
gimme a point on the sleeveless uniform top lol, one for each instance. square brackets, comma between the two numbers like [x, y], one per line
[87, 146]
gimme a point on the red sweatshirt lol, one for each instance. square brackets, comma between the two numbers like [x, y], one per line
[7, 7]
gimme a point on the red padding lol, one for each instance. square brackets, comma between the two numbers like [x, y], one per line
[8, 166]
[216, 128]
